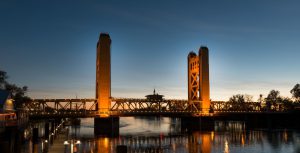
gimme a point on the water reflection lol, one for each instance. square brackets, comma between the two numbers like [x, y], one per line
[158, 134]
[164, 135]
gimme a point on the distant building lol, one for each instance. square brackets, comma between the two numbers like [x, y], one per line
[154, 97]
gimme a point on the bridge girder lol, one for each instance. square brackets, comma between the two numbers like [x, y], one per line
[130, 107]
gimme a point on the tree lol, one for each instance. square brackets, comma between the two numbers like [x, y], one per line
[239, 98]
[18, 94]
[273, 98]
[237, 102]
[287, 103]
[3, 77]
[248, 98]
[273, 95]
[296, 92]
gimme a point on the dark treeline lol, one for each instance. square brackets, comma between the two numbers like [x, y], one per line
[273, 101]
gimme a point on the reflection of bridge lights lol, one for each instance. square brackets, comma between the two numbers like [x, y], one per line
[106, 142]
[174, 147]
[73, 146]
[285, 136]
[243, 140]
[226, 148]
[212, 135]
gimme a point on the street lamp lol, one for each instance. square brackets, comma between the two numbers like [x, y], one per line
[72, 143]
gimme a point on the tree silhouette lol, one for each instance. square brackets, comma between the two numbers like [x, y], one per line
[273, 98]
[3, 77]
[238, 98]
[237, 102]
[287, 103]
[296, 92]
[248, 98]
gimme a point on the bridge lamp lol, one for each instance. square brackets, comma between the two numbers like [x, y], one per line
[71, 143]
[104, 115]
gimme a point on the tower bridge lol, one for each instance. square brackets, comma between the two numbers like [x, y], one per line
[106, 109]
[198, 80]
[101, 106]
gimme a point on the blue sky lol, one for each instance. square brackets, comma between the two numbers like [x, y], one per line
[50, 46]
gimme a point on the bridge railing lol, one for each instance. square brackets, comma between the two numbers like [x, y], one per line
[51, 105]
[221, 106]
[63, 114]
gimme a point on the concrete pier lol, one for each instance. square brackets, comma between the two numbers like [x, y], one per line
[108, 126]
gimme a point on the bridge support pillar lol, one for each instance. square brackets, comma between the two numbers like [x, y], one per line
[108, 126]
[205, 123]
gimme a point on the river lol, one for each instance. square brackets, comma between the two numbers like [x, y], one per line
[163, 134]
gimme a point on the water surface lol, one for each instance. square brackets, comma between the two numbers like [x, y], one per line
[158, 134]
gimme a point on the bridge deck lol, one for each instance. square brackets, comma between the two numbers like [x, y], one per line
[78, 108]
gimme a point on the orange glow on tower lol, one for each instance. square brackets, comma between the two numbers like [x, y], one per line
[103, 74]
[198, 80]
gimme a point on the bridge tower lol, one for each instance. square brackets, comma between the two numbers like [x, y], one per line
[103, 74]
[104, 124]
[198, 80]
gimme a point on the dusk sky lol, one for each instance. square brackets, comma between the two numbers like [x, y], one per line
[50, 46]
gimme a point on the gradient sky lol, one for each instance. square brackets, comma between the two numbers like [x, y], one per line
[50, 46]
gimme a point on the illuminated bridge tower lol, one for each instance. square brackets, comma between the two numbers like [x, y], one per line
[104, 124]
[103, 74]
[198, 80]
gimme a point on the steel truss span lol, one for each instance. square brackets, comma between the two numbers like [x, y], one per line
[131, 107]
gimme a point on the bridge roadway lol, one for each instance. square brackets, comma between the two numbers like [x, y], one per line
[79, 108]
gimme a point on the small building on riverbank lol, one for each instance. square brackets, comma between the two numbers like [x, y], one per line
[7, 112]
[6, 103]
